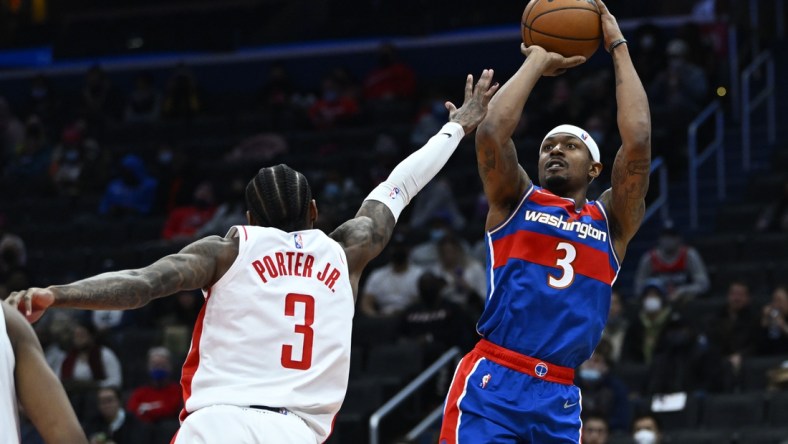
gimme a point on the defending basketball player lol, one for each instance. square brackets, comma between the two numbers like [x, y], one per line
[270, 352]
[26, 378]
[553, 256]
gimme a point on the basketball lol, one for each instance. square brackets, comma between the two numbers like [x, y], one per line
[568, 27]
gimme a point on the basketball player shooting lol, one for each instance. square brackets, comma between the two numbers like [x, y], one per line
[270, 353]
[553, 256]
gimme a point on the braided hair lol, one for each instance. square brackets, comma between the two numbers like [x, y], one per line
[279, 197]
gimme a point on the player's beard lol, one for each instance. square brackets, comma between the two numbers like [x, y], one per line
[557, 184]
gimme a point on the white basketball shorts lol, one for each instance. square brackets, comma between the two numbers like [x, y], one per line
[242, 425]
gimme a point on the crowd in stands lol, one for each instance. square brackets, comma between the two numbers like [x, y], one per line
[430, 284]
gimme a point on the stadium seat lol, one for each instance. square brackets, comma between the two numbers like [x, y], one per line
[719, 249]
[764, 247]
[778, 409]
[400, 361]
[683, 419]
[761, 435]
[369, 331]
[733, 409]
[633, 375]
[754, 371]
[694, 436]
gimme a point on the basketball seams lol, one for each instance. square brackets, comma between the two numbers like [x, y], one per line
[575, 39]
[530, 27]
[525, 21]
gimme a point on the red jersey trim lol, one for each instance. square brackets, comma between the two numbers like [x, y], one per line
[192, 361]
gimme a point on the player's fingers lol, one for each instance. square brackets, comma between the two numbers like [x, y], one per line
[484, 82]
[571, 62]
[490, 93]
[602, 7]
[450, 106]
[27, 303]
[468, 87]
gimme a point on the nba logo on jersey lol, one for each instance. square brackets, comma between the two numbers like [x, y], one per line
[298, 241]
[394, 192]
[540, 369]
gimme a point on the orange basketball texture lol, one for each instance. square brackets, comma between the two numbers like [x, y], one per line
[568, 27]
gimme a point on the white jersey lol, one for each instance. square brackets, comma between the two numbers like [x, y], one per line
[275, 329]
[9, 417]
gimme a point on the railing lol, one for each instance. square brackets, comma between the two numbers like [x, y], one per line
[697, 159]
[661, 202]
[374, 420]
[749, 104]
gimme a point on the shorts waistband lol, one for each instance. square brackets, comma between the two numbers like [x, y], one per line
[279, 410]
[525, 364]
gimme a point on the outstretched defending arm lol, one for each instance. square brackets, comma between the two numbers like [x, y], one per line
[39, 391]
[503, 178]
[365, 236]
[198, 265]
[630, 174]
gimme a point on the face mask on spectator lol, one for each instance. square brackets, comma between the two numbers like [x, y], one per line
[159, 374]
[652, 304]
[645, 437]
[590, 374]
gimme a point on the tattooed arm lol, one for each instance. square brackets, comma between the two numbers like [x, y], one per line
[630, 175]
[503, 178]
[198, 265]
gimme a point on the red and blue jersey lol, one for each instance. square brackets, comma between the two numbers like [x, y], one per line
[551, 268]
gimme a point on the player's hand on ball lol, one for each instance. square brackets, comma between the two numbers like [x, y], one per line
[610, 28]
[554, 64]
[474, 106]
[32, 302]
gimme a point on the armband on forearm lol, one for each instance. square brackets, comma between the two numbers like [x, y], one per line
[413, 173]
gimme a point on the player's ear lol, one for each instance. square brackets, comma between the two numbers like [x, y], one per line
[312, 211]
[594, 171]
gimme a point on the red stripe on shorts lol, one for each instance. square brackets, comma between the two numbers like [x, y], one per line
[451, 412]
[192, 359]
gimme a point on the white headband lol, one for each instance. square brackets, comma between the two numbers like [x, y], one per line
[581, 134]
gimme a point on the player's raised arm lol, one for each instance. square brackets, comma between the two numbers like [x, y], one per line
[365, 236]
[39, 391]
[630, 174]
[503, 178]
[198, 265]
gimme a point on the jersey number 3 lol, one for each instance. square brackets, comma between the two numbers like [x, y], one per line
[568, 275]
[304, 329]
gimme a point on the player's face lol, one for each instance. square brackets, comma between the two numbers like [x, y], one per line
[564, 163]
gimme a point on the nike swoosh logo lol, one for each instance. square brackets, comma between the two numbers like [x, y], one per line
[447, 134]
[567, 404]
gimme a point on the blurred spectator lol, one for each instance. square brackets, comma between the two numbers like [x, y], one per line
[181, 99]
[29, 167]
[335, 107]
[42, 100]
[87, 364]
[394, 286]
[595, 430]
[685, 361]
[13, 253]
[66, 166]
[97, 98]
[279, 101]
[646, 430]
[464, 276]
[435, 322]
[678, 266]
[604, 394]
[114, 425]
[232, 210]
[439, 226]
[677, 95]
[430, 118]
[338, 197]
[774, 324]
[160, 399]
[648, 51]
[641, 339]
[12, 133]
[184, 221]
[436, 200]
[132, 193]
[391, 79]
[144, 102]
[775, 216]
[257, 149]
[734, 329]
[616, 328]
